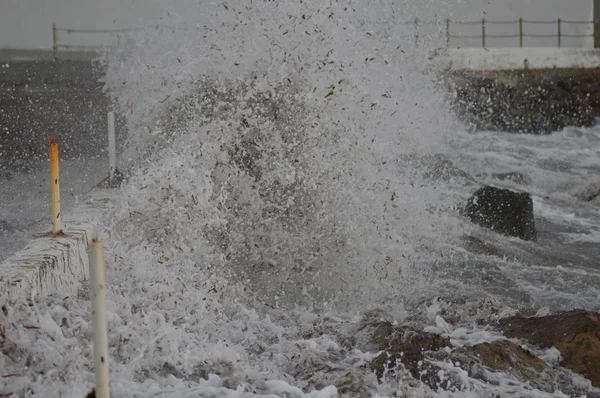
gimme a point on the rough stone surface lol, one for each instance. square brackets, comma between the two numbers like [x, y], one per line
[504, 356]
[576, 334]
[409, 355]
[406, 346]
[503, 211]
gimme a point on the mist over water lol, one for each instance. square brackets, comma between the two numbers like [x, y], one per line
[276, 143]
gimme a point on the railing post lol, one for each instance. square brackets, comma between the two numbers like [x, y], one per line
[448, 32]
[417, 32]
[559, 34]
[521, 32]
[483, 32]
[54, 40]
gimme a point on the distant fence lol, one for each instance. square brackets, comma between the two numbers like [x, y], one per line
[58, 33]
[518, 30]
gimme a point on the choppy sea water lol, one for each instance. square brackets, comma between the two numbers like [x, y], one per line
[289, 175]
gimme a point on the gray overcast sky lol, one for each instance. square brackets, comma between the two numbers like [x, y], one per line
[28, 23]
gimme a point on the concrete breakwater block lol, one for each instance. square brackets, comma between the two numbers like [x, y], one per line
[55, 264]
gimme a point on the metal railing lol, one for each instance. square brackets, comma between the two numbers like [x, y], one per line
[521, 29]
[57, 45]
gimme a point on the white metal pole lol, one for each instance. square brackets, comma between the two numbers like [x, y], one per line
[112, 149]
[98, 283]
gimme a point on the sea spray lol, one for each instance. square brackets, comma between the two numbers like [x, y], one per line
[266, 141]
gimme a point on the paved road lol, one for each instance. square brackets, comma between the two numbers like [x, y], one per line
[39, 98]
[47, 97]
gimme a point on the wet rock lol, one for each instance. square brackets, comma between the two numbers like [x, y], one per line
[504, 356]
[405, 346]
[373, 337]
[503, 211]
[576, 334]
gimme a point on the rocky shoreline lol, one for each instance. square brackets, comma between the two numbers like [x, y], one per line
[573, 339]
[537, 101]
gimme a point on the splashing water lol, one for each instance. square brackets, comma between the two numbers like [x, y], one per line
[273, 139]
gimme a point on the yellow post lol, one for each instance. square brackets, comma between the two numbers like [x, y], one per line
[54, 186]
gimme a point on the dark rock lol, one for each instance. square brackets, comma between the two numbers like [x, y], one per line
[406, 346]
[374, 336]
[576, 334]
[504, 356]
[503, 211]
